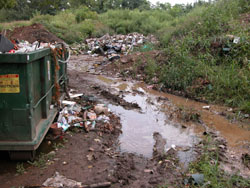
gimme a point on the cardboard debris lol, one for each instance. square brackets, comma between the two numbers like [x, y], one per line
[61, 181]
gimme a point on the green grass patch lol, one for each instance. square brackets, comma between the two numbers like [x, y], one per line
[203, 60]
[208, 164]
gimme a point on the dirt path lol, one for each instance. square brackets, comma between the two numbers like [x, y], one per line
[154, 137]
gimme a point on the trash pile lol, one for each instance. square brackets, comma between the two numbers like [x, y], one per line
[113, 46]
[82, 112]
[15, 46]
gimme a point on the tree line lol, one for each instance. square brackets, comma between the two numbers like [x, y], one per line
[25, 9]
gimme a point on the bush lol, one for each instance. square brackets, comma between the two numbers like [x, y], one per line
[84, 13]
[196, 62]
[65, 26]
[128, 21]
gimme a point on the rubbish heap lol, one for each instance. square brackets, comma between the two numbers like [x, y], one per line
[113, 46]
[82, 112]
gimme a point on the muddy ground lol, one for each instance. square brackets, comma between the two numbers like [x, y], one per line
[35, 32]
[154, 136]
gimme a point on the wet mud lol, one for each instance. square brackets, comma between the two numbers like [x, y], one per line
[151, 143]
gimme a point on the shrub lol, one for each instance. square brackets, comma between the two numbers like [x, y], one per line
[84, 13]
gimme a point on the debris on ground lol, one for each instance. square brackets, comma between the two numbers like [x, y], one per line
[60, 181]
[84, 113]
[113, 46]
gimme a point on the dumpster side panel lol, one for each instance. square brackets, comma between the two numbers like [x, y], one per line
[37, 95]
[28, 85]
[14, 108]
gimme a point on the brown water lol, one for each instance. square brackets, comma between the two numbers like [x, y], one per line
[138, 126]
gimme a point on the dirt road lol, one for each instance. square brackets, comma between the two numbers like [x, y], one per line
[154, 136]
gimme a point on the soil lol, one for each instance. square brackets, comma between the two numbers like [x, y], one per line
[35, 32]
[97, 157]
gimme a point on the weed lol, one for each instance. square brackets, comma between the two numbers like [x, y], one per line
[57, 146]
[208, 164]
[42, 160]
[188, 114]
[20, 168]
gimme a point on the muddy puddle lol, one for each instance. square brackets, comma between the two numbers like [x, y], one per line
[139, 125]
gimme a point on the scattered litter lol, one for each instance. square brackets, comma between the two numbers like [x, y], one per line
[97, 140]
[140, 90]
[91, 115]
[103, 118]
[60, 181]
[173, 147]
[195, 179]
[90, 157]
[68, 103]
[73, 96]
[148, 171]
[112, 46]
[101, 108]
[206, 107]
[236, 40]
[64, 126]
[55, 129]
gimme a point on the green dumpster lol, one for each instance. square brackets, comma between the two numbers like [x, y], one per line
[28, 89]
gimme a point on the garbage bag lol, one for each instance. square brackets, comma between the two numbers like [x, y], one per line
[5, 44]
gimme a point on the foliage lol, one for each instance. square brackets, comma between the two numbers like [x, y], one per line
[42, 160]
[65, 25]
[24, 10]
[208, 164]
[196, 60]
[127, 21]
[20, 168]
[104, 5]
[7, 3]
[84, 13]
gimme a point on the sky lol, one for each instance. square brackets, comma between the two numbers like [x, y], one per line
[173, 2]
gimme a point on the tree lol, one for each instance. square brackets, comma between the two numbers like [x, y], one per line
[133, 4]
[163, 6]
[7, 3]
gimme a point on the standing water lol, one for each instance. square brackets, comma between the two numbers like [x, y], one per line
[138, 127]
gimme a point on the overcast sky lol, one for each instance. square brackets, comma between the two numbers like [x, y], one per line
[173, 2]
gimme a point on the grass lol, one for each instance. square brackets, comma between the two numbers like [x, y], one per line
[208, 164]
[57, 146]
[20, 168]
[14, 24]
[41, 161]
[202, 71]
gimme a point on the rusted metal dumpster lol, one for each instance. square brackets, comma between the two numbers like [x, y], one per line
[29, 86]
